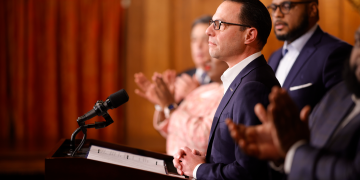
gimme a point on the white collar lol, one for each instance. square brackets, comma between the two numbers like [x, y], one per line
[199, 71]
[300, 42]
[230, 74]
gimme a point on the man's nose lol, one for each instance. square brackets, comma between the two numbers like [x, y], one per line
[210, 30]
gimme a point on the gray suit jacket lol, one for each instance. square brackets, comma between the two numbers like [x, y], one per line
[330, 155]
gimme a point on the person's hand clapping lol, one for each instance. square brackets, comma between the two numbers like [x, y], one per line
[184, 84]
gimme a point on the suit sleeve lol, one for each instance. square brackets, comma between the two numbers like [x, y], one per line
[241, 111]
[314, 163]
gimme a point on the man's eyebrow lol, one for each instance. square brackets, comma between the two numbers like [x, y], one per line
[217, 19]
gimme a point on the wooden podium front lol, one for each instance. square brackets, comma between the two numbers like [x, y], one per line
[59, 165]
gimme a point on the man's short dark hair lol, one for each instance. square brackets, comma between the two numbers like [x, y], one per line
[201, 20]
[255, 14]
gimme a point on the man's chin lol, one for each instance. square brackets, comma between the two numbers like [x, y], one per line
[214, 54]
[281, 36]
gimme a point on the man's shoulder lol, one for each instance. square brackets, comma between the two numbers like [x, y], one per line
[331, 101]
[339, 91]
[263, 74]
[327, 41]
[190, 72]
[275, 53]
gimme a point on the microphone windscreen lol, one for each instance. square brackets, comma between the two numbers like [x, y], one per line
[118, 98]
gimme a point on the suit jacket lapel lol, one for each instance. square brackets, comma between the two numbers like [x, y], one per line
[223, 103]
[333, 119]
[275, 60]
[344, 136]
[303, 57]
[228, 95]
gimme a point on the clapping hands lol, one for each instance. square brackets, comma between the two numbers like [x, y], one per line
[282, 126]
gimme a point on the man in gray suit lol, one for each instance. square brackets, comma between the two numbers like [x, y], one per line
[328, 147]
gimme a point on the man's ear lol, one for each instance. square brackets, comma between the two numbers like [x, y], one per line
[313, 10]
[250, 35]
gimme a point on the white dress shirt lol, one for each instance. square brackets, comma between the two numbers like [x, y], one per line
[198, 73]
[290, 155]
[230, 74]
[293, 51]
[228, 77]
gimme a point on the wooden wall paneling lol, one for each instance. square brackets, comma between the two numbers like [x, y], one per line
[330, 13]
[147, 51]
[181, 22]
[201, 7]
[156, 55]
[350, 22]
[156, 39]
[134, 64]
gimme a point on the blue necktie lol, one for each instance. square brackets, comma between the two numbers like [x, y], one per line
[202, 78]
[285, 51]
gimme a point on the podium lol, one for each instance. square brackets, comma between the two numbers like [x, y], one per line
[60, 165]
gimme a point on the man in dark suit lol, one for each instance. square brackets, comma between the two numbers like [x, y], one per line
[237, 33]
[310, 62]
[329, 148]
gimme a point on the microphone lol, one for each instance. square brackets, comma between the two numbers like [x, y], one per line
[100, 108]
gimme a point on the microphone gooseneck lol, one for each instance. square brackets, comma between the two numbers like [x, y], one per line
[100, 109]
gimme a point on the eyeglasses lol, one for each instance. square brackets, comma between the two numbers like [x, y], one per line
[217, 24]
[285, 6]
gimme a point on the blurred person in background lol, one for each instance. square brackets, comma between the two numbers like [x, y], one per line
[199, 50]
[188, 80]
[189, 123]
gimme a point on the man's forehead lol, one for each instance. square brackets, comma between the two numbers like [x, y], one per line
[227, 11]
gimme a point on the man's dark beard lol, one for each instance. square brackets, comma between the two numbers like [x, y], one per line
[351, 80]
[297, 32]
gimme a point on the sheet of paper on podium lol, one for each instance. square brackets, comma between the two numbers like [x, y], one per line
[126, 159]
